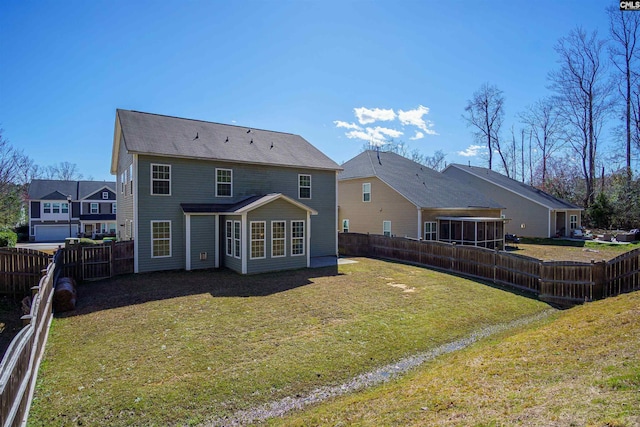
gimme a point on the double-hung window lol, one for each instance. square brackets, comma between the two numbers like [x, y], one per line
[224, 182]
[105, 195]
[229, 237]
[573, 222]
[46, 208]
[160, 239]
[94, 208]
[304, 186]
[345, 225]
[65, 208]
[237, 240]
[257, 239]
[297, 238]
[114, 208]
[366, 192]
[160, 180]
[278, 238]
[430, 230]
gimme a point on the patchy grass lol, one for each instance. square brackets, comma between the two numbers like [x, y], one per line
[569, 250]
[182, 348]
[578, 368]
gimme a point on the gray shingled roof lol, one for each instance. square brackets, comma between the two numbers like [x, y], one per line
[424, 187]
[154, 134]
[50, 189]
[525, 190]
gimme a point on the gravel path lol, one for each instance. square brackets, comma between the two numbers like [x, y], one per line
[380, 375]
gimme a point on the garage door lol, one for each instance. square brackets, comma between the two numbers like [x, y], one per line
[54, 233]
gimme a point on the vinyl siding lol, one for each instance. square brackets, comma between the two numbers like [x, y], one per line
[278, 210]
[229, 261]
[203, 240]
[193, 181]
[124, 214]
[527, 218]
[385, 205]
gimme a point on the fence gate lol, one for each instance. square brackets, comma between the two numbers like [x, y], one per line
[96, 262]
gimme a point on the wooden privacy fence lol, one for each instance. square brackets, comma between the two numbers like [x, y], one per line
[561, 282]
[20, 270]
[97, 262]
[19, 366]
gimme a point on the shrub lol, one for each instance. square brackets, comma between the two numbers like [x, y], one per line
[8, 239]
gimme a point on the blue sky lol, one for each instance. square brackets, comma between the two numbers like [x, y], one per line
[330, 71]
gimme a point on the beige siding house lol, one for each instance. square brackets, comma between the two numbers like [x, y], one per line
[532, 212]
[385, 193]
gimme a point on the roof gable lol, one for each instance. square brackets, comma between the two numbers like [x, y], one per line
[520, 188]
[422, 186]
[52, 189]
[243, 206]
[153, 134]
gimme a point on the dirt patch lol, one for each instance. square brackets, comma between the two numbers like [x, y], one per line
[10, 323]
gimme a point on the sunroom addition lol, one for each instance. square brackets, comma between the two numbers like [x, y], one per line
[485, 232]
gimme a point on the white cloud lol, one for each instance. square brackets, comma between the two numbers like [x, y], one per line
[375, 136]
[471, 151]
[341, 124]
[366, 116]
[415, 118]
[418, 135]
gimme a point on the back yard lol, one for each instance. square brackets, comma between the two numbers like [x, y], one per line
[190, 347]
[570, 250]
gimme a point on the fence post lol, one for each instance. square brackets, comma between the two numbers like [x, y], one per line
[599, 278]
[112, 258]
[453, 256]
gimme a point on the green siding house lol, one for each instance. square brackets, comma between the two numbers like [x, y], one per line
[195, 194]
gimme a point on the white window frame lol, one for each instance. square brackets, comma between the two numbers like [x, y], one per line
[282, 239]
[154, 239]
[345, 225]
[114, 207]
[122, 183]
[96, 206]
[433, 230]
[386, 232]
[56, 208]
[366, 190]
[295, 238]
[160, 179]
[573, 222]
[229, 237]
[131, 180]
[64, 208]
[105, 195]
[237, 239]
[300, 186]
[230, 183]
[258, 241]
[46, 208]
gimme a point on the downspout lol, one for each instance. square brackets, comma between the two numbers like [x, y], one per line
[308, 238]
[188, 241]
[419, 221]
[243, 242]
[136, 224]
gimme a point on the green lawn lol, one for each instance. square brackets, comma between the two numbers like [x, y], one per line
[186, 347]
[578, 368]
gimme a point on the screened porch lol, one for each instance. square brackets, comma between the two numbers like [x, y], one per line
[473, 231]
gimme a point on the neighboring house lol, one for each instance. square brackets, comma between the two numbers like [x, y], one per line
[385, 193]
[533, 212]
[195, 194]
[93, 209]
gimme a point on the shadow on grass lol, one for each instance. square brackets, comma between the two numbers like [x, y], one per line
[140, 288]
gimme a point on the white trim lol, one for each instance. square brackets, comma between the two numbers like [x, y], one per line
[216, 182]
[424, 230]
[239, 239]
[337, 217]
[271, 198]
[308, 239]
[300, 187]
[342, 227]
[363, 192]
[303, 237]
[243, 239]
[264, 239]
[216, 236]
[91, 205]
[419, 222]
[162, 180]
[134, 225]
[383, 223]
[187, 230]
[170, 238]
[283, 239]
[228, 238]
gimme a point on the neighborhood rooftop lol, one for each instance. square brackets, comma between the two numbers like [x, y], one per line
[422, 186]
[47, 189]
[525, 190]
[154, 134]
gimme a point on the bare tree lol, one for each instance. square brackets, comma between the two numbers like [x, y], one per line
[545, 126]
[623, 28]
[12, 166]
[436, 162]
[582, 92]
[64, 171]
[484, 113]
